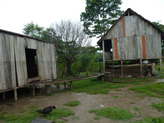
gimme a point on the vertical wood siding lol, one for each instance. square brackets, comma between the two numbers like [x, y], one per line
[13, 60]
[129, 31]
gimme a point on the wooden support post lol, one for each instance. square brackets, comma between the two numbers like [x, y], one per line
[48, 89]
[4, 95]
[160, 67]
[122, 71]
[141, 68]
[15, 94]
[65, 86]
[70, 84]
[103, 43]
[33, 90]
[57, 86]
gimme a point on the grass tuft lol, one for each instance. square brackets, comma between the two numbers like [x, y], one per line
[154, 90]
[115, 96]
[112, 113]
[159, 106]
[151, 120]
[72, 103]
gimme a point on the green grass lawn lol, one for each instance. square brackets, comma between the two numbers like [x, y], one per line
[112, 113]
[94, 86]
[72, 103]
[30, 115]
[154, 89]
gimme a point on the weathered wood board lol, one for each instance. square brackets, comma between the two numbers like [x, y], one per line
[13, 66]
[130, 47]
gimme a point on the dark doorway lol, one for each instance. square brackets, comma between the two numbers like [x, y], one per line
[31, 60]
[108, 48]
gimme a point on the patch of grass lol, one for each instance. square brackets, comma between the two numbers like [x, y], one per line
[23, 111]
[151, 120]
[159, 106]
[97, 118]
[49, 94]
[137, 110]
[32, 114]
[94, 86]
[72, 103]
[115, 96]
[117, 89]
[135, 81]
[154, 90]
[141, 95]
[61, 112]
[113, 113]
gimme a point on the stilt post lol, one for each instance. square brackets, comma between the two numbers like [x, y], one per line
[160, 67]
[4, 95]
[65, 86]
[15, 94]
[122, 71]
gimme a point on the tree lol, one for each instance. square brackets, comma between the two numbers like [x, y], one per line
[73, 39]
[99, 15]
[68, 37]
[160, 26]
[33, 30]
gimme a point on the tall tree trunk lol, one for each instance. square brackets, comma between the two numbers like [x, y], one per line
[69, 68]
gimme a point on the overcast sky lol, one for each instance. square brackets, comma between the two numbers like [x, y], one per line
[14, 14]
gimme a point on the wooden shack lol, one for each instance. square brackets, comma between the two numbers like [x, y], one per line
[24, 60]
[131, 39]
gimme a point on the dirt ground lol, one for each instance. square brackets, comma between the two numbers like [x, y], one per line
[126, 100]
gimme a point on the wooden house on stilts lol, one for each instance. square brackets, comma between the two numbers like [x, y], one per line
[130, 41]
[24, 60]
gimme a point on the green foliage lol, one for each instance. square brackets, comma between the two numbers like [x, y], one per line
[72, 103]
[94, 86]
[32, 114]
[99, 15]
[69, 39]
[158, 25]
[113, 113]
[33, 30]
[155, 89]
[151, 120]
[159, 106]
[115, 96]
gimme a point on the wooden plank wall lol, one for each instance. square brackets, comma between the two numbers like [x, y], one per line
[13, 60]
[130, 47]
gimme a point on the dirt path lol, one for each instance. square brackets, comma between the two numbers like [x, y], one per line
[125, 99]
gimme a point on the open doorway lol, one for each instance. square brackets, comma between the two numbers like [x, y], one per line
[108, 49]
[31, 60]
[162, 45]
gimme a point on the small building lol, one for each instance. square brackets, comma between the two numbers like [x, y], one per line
[24, 60]
[131, 39]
